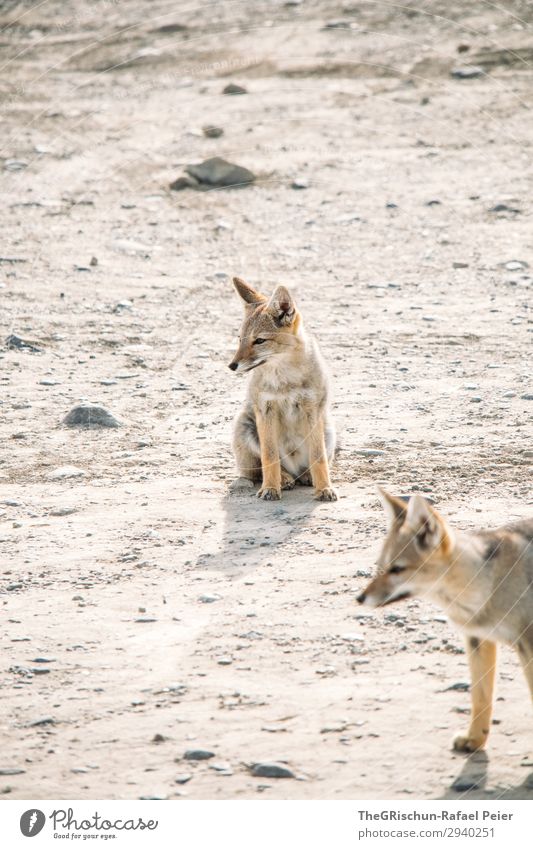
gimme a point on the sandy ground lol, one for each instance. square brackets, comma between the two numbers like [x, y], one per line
[418, 290]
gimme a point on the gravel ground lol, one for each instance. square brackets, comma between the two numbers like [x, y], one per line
[146, 611]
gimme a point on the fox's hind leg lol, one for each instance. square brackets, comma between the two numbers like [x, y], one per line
[482, 662]
[524, 647]
[246, 447]
[287, 480]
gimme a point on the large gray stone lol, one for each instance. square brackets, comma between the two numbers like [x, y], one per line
[90, 416]
[217, 172]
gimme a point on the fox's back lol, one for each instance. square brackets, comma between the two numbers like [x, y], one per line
[508, 567]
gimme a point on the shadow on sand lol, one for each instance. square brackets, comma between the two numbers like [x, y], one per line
[471, 783]
[254, 528]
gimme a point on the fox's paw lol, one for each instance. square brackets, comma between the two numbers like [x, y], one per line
[469, 743]
[327, 494]
[240, 485]
[287, 481]
[269, 493]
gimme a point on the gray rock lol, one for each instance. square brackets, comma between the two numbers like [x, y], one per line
[527, 396]
[515, 265]
[469, 72]
[217, 172]
[15, 342]
[467, 782]
[209, 598]
[63, 511]
[234, 88]
[212, 132]
[503, 207]
[90, 416]
[184, 778]
[299, 183]
[184, 182]
[369, 452]
[222, 767]
[43, 720]
[123, 305]
[15, 164]
[271, 770]
[198, 755]
[11, 771]
[342, 23]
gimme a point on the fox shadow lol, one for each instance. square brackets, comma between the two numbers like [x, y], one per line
[253, 529]
[471, 783]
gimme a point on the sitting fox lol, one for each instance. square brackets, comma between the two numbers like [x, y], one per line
[482, 579]
[284, 434]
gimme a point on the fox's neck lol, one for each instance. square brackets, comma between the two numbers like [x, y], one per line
[468, 549]
[464, 573]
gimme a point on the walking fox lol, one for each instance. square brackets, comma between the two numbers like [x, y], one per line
[483, 579]
[284, 435]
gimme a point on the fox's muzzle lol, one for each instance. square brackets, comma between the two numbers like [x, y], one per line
[233, 366]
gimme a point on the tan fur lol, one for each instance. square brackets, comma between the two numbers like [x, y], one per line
[483, 580]
[284, 434]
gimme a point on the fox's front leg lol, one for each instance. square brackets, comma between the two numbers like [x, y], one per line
[268, 432]
[482, 662]
[318, 462]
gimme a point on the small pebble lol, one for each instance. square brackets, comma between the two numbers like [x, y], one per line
[65, 472]
[234, 88]
[212, 132]
[271, 770]
[198, 755]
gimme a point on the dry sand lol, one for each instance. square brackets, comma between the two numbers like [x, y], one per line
[402, 270]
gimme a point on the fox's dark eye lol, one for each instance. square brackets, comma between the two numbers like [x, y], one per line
[396, 569]
[259, 341]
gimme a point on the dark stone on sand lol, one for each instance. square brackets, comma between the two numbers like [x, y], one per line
[218, 173]
[89, 416]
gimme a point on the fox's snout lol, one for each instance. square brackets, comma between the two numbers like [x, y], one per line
[361, 598]
[233, 366]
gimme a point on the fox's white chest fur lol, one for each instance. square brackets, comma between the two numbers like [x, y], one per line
[293, 427]
[292, 393]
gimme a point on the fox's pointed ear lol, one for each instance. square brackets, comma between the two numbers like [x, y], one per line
[395, 508]
[425, 522]
[282, 306]
[249, 295]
